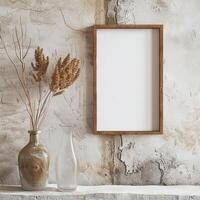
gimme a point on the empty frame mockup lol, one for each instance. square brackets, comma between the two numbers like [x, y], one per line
[128, 79]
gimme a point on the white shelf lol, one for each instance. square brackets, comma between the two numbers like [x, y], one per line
[118, 192]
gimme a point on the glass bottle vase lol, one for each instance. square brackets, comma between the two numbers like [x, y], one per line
[66, 164]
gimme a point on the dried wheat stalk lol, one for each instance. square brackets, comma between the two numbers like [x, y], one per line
[64, 74]
[41, 64]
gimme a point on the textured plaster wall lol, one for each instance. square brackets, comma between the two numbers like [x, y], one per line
[44, 24]
[172, 158]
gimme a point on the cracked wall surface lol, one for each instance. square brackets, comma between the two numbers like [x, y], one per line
[171, 158]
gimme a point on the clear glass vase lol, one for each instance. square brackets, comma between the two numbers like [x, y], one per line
[66, 164]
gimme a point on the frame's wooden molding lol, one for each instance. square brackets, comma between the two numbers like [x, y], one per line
[129, 26]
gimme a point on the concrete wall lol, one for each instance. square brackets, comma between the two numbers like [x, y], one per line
[172, 158]
[45, 25]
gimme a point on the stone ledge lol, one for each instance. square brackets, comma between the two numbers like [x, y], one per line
[109, 192]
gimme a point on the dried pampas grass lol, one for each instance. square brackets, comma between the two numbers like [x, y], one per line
[64, 74]
[41, 64]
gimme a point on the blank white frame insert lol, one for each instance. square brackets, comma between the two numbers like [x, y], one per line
[127, 85]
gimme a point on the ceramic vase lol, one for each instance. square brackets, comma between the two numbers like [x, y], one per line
[33, 162]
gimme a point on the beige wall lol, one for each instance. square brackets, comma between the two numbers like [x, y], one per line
[172, 158]
[46, 27]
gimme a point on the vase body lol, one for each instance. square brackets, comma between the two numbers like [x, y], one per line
[66, 164]
[33, 162]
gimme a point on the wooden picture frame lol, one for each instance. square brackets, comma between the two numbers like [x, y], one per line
[106, 118]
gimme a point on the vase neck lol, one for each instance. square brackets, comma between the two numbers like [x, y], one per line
[34, 137]
[67, 137]
[67, 141]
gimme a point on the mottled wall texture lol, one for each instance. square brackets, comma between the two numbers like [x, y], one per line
[45, 25]
[172, 158]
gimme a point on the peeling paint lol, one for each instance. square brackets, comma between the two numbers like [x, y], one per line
[172, 158]
[129, 149]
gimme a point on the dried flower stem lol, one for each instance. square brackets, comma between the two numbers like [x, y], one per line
[22, 77]
[65, 73]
